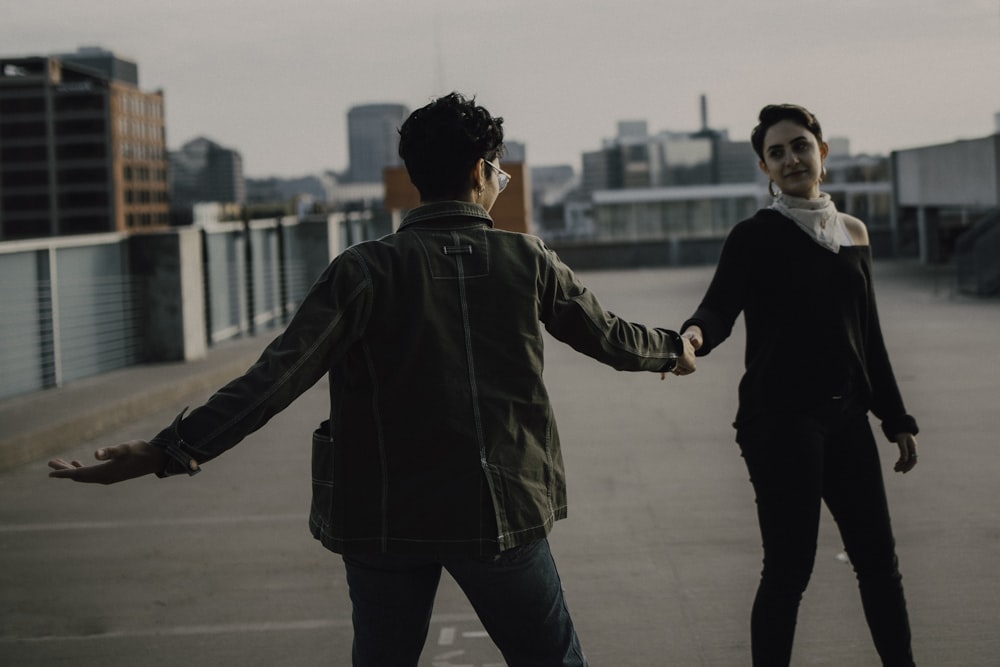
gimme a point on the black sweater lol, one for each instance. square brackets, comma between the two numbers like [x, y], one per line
[811, 323]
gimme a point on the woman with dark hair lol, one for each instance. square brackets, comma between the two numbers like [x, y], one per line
[800, 272]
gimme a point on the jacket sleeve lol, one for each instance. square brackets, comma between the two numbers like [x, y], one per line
[573, 315]
[330, 318]
[886, 400]
[726, 294]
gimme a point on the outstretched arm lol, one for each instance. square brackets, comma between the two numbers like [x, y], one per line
[128, 460]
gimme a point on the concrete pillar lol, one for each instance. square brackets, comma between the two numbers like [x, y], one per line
[922, 235]
[168, 269]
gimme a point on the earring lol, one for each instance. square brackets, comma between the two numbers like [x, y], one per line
[770, 189]
[822, 174]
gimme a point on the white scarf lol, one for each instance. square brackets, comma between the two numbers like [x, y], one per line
[819, 218]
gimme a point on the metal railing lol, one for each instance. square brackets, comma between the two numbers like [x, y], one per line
[977, 257]
[72, 307]
[68, 310]
[255, 275]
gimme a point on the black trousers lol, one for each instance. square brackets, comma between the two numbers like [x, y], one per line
[827, 455]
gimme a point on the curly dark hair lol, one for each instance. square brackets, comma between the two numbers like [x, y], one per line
[773, 114]
[441, 142]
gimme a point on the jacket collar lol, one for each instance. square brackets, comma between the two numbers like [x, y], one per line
[445, 209]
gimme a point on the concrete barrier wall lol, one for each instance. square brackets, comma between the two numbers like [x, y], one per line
[623, 255]
[81, 306]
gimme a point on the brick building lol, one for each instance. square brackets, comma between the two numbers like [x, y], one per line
[82, 148]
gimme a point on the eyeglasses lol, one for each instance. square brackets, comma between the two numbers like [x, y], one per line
[502, 176]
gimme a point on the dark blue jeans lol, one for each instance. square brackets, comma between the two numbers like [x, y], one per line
[517, 595]
[828, 455]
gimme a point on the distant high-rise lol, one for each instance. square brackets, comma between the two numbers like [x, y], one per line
[373, 140]
[104, 63]
[637, 159]
[632, 130]
[204, 171]
[82, 149]
[514, 151]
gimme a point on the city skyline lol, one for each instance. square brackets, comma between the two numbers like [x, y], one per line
[275, 81]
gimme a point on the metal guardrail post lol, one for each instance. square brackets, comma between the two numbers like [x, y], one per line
[52, 268]
[249, 275]
[207, 286]
[282, 268]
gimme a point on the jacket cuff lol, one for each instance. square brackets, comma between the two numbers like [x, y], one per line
[901, 424]
[677, 343]
[178, 461]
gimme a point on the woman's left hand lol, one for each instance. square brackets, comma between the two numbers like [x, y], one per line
[907, 452]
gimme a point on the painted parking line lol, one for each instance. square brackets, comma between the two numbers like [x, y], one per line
[190, 630]
[222, 628]
[465, 648]
[146, 523]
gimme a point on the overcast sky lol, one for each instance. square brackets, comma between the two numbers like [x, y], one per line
[274, 79]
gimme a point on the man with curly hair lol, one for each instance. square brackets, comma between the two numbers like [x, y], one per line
[441, 449]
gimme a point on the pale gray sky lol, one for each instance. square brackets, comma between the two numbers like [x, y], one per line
[274, 79]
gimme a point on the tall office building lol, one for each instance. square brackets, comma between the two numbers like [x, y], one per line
[82, 148]
[373, 140]
[204, 171]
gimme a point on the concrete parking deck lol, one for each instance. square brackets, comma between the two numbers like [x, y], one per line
[660, 555]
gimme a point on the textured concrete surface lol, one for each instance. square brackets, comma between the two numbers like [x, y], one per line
[659, 557]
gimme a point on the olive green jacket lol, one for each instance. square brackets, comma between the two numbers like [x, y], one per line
[440, 437]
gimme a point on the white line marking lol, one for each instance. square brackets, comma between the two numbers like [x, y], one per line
[444, 660]
[447, 636]
[230, 628]
[146, 523]
[189, 630]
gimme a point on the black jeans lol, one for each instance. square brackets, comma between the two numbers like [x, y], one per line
[826, 455]
[517, 595]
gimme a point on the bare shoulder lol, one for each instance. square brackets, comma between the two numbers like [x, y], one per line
[856, 229]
